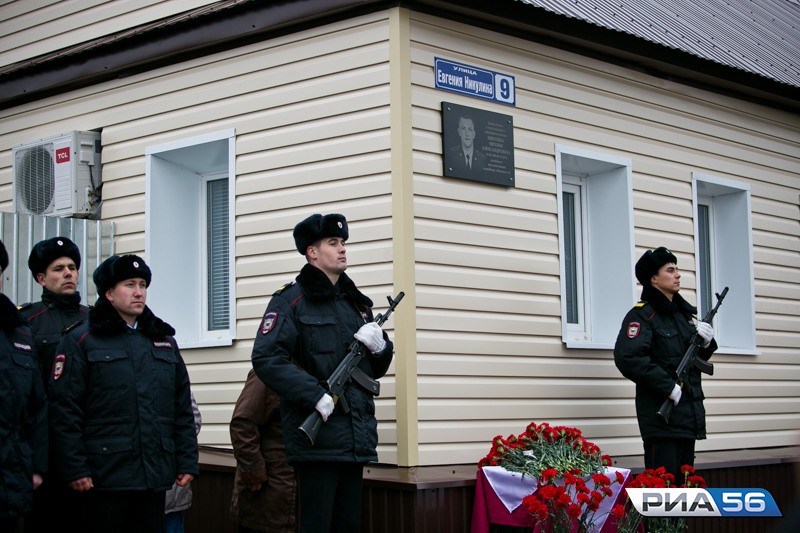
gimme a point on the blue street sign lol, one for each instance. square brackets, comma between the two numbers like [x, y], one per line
[473, 81]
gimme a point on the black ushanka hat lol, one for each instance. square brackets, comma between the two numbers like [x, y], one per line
[318, 227]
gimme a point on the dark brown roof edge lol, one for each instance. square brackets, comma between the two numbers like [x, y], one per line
[232, 23]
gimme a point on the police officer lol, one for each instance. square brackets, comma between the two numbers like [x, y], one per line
[651, 343]
[23, 413]
[54, 264]
[122, 421]
[304, 335]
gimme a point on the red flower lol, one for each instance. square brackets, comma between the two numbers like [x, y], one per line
[548, 474]
[601, 479]
[574, 510]
[563, 499]
[535, 507]
[696, 482]
[618, 511]
[547, 492]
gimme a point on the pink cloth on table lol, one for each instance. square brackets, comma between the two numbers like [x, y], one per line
[489, 508]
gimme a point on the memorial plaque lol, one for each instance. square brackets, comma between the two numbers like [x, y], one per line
[478, 144]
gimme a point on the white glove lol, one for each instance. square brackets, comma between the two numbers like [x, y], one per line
[676, 393]
[371, 336]
[705, 330]
[325, 406]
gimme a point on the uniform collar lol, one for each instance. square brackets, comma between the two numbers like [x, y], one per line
[61, 301]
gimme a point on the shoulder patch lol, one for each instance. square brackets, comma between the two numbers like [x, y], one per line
[633, 330]
[269, 322]
[58, 366]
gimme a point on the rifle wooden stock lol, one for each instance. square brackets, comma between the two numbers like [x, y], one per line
[690, 359]
[339, 380]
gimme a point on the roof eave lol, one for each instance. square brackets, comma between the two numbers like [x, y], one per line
[247, 22]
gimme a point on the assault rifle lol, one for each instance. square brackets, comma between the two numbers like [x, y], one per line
[690, 359]
[346, 372]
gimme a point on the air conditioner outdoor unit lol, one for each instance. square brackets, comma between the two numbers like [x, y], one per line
[58, 175]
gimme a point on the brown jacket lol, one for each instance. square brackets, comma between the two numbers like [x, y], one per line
[264, 488]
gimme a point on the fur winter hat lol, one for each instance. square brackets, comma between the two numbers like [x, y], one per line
[46, 251]
[119, 268]
[318, 227]
[647, 266]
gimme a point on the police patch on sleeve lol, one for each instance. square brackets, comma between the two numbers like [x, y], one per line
[58, 366]
[633, 330]
[269, 322]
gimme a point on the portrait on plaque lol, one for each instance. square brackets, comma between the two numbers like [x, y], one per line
[477, 145]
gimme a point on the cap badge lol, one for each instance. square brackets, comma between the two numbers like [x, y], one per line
[339, 224]
[60, 242]
[136, 264]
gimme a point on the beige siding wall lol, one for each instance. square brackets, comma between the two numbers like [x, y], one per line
[490, 356]
[311, 116]
[313, 134]
[31, 28]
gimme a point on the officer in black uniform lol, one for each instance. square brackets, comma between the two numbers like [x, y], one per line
[304, 335]
[23, 413]
[651, 343]
[54, 264]
[121, 415]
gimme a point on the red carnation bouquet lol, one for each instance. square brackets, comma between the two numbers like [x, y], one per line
[570, 471]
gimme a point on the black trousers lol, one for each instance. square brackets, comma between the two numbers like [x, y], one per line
[127, 511]
[9, 524]
[329, 497]
[56, 507]
[672, 454]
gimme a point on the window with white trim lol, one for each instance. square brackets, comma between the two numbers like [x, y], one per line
[595, 212]
[189, 221]
[724, 251]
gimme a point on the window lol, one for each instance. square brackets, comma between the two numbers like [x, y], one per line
[217, 256]
[572, 205]
[596, 246]
[724, 251]
[188, 227]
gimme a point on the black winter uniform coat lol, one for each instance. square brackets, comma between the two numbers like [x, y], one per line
[306, 332]
[652, 341]
[50, 318]
[23, 413]
[120, 404]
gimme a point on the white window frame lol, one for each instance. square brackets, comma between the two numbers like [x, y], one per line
[175, 233]
[731, 248]
[608, 284]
